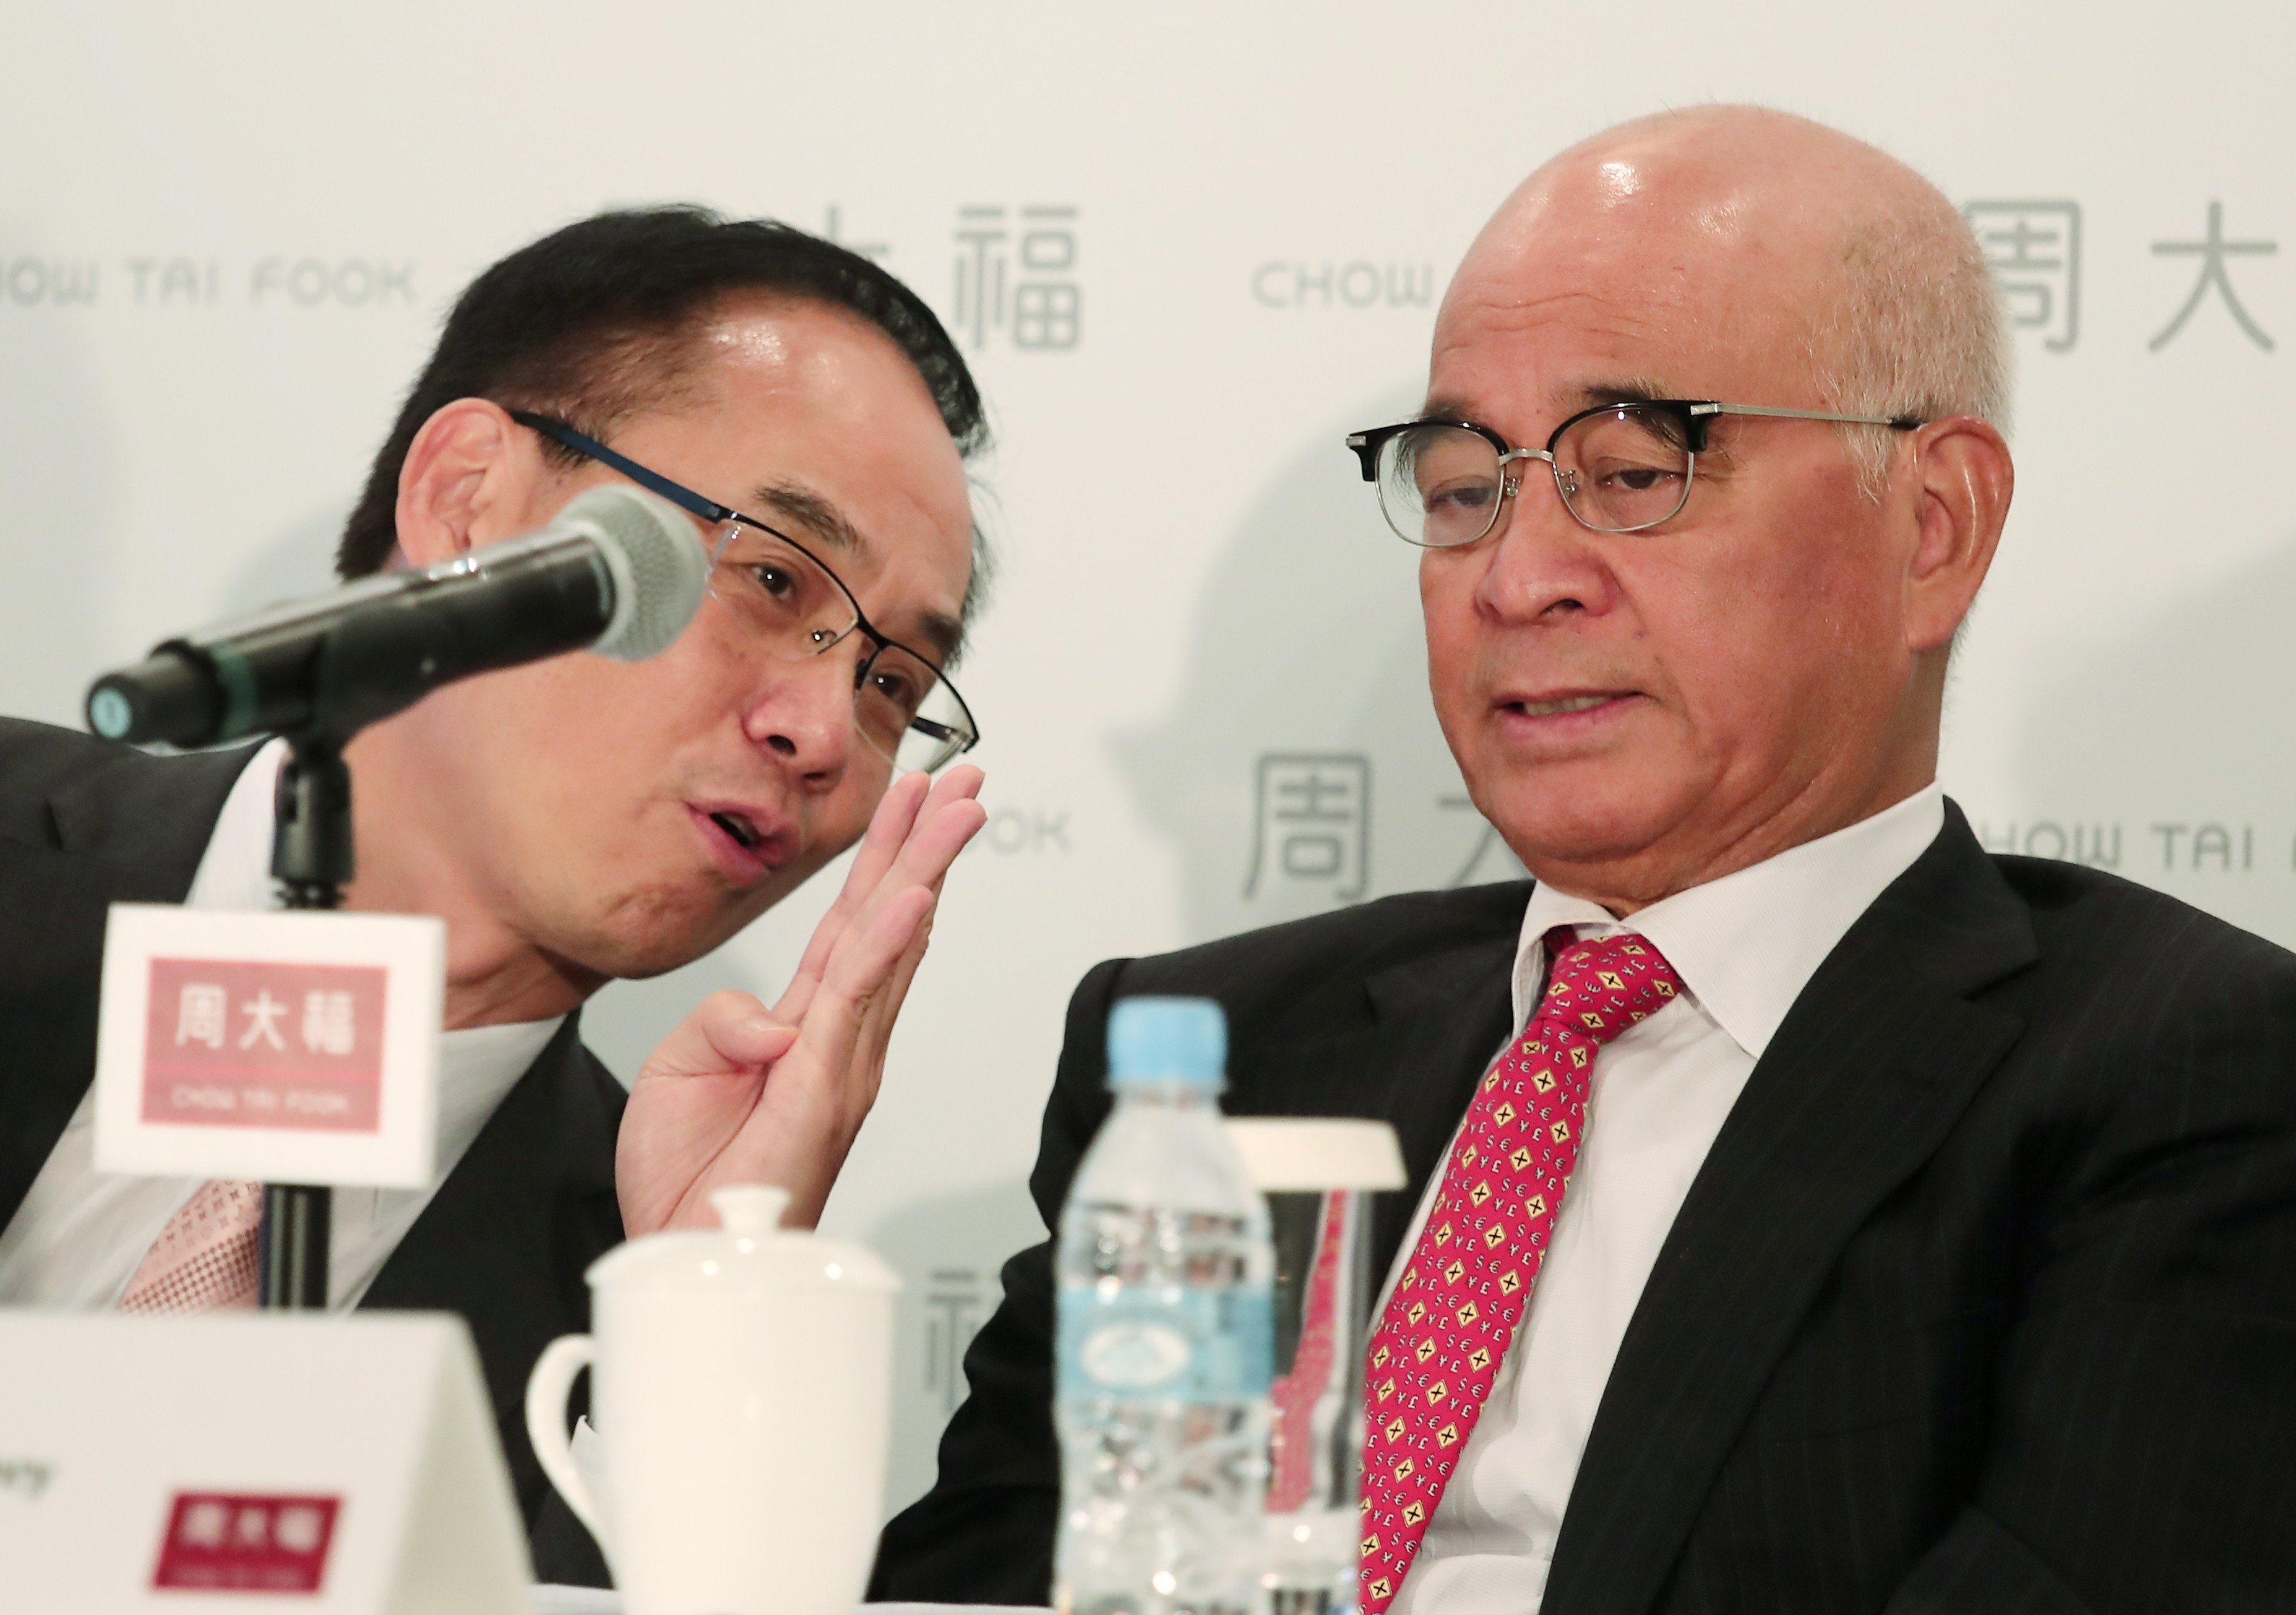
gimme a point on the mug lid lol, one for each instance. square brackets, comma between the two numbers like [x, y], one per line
[750, 1250]
[1290, 1153]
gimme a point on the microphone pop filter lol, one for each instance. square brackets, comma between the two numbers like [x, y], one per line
[660, 565]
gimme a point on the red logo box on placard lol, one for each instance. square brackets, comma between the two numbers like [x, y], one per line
[254, 1043]
[226, 1542]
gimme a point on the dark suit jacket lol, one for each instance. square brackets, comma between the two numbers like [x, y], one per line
[84, 823]
[1984, 1300]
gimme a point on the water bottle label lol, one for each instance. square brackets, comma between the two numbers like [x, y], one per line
[1188, 1345]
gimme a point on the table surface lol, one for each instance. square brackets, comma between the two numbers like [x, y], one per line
[552, 1600]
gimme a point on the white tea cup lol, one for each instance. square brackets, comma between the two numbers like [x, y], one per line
[741, 1394]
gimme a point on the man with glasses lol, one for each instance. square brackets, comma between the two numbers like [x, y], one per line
[1809, 1212]
[573, 821]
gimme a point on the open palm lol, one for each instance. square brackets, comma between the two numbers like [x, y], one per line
[739, 1094]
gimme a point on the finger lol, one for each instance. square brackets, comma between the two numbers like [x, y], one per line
[933, 846]
[884, 1008]
[924, 864]
[889, 827]
[858, 975]
[817, 1083]
[939, 832]
[725, 1029]
[963, 780]
[887, 861]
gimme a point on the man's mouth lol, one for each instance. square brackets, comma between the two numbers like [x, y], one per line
[744, 847]
[738, 826]
[1568, 703]
[1563, 716]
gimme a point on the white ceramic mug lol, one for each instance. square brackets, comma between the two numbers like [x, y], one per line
[742, 1393]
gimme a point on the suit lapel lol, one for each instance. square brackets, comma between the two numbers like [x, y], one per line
[56, 906]
[1437, 1023]
[155, 812]
[507, 1236]
[129, 830]
[1402, 1044]
[1876, 1061]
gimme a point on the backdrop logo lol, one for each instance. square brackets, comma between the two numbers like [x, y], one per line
[173, 280]
[1018, 830]
[2161, 846]
[833, 231]
[158, 280]
[1283, 284]
[350, 283]
[26, 1478]
[958, 1303]
[1017, 278]
[2212, 250]
[29, 282]
[2034, 249]
[1311, 825]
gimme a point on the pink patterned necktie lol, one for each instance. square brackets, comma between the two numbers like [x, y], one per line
[1453, 1312]
[1293, 1397]
[205, 1257]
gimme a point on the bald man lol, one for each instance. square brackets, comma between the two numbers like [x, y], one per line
[1809, 1212]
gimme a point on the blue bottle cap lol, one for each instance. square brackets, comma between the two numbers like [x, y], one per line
[1175, 1040]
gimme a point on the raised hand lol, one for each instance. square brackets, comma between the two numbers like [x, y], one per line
[738, 1094]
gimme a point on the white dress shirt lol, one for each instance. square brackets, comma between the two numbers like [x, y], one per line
[1744, 946]
[80, 1234]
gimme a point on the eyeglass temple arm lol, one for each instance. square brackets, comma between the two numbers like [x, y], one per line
[1901, 422]
[685, 498]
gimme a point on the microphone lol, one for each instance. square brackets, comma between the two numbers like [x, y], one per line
[619, 571]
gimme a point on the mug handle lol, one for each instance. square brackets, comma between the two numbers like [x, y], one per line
[546, 1389]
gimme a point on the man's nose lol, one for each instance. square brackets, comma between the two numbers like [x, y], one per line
[1542, 564]
[802, 715]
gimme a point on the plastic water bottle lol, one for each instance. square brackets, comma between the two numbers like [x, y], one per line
[1166, 1338]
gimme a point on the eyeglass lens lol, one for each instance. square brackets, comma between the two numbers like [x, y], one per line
[1618, 470]
[791, 610]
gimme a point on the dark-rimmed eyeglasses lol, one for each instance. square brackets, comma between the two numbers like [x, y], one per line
[1620, 468]
[791, 606]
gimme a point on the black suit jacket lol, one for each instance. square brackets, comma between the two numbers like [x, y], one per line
[1984, 1300]
[84, 823]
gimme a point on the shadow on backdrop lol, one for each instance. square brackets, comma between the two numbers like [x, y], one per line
[2169, 756]
[60, 462]
[1302, 768]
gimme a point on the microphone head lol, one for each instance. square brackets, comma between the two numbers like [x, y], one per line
[660, 565]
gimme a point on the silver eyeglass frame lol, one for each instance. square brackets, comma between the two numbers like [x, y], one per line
[1692, 415]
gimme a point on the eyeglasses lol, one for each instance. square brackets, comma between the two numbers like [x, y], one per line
[792, 607]
[1620, 468]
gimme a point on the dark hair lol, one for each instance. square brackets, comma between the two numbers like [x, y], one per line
[593, 323]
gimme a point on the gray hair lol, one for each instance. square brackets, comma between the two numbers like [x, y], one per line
[1915, 327]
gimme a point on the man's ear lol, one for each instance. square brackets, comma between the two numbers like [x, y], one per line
[469, 478]
[1963, 479]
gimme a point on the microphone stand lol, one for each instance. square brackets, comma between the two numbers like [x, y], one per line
[311, 858]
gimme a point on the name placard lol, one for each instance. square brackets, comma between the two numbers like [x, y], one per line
[285, 1047]
[232, 1463]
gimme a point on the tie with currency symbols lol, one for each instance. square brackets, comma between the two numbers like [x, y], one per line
[1453, 1311]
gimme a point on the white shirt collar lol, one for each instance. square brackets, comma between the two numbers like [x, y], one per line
[478, 1066]
[236, 870]
[1746, 945]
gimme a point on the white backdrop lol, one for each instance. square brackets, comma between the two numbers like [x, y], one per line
[1211, 236]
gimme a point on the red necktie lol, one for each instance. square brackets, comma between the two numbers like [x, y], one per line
[1453, 1312]
[1294, 1397]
